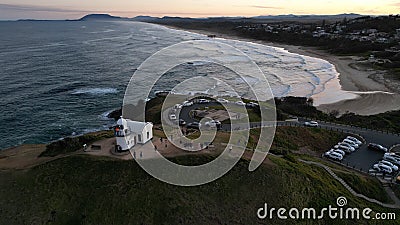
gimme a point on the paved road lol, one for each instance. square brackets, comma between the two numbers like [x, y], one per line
[363, 159]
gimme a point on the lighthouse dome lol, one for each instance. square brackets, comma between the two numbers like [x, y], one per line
[122, 122]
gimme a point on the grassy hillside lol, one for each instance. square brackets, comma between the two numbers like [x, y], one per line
[88, 190]
[367, 185]
[299, 139]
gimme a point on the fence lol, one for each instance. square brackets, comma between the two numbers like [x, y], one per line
[355, 127]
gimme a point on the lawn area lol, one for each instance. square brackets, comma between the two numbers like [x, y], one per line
[93, 190]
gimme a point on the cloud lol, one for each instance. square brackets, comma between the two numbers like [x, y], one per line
[31, 8]
[265, 7]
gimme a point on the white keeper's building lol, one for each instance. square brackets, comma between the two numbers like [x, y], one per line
[129, 133]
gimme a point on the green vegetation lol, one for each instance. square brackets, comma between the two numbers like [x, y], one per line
[365, 185]
[72, 144]
[289, 140]
[302, 107]
[298, 138]
[153, 110]
[92, 190]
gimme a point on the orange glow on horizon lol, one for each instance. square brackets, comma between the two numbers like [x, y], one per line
[195, 8]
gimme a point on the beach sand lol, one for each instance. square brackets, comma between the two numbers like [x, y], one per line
[373, 97]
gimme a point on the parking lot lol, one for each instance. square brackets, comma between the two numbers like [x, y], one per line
[362, 159]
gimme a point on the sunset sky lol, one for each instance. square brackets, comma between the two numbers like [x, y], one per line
[71, 9]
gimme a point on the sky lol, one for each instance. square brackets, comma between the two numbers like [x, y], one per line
[72, 9]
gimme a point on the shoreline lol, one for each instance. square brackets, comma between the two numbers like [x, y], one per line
[372, 97]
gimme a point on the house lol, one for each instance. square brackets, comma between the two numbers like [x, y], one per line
[129, 133]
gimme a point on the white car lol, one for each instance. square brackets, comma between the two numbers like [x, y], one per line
[203, 101]
[355, 140]
[341, 152]
[382, 168]
[345, 148]
[241, 103]
[221, 100]
[172, 117]
[391, 159]
[396, 157]
[350, 142]
[394, 167]
[393, 155]
[213, 123]
[187, 103]
[311, 124]
[334, 156]
[347, 144]
[252, 104]
[178, 106]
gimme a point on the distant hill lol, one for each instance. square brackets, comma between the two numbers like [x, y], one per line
[144, 18]
[310, 17]
[289, 17]
[101, 17]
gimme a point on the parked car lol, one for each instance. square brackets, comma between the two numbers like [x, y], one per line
[346, 144]
[252, 104]
[187, 103]
[172, 117]
[354, 140]
[182, 122]
[391, 159]
[194, 125]
[241, 103]
[334, 156]
[203, 101]
[382, 168]
[213, 123]
[377, 147]
[352, 143]
[341, 152]
[178, 106]
[311, 124]
[221, 100]
[344, 148]
[393, 155]
[387, 163]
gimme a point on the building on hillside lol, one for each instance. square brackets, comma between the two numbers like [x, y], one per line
[129, 133]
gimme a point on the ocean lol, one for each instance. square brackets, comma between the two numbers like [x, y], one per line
[61, 78]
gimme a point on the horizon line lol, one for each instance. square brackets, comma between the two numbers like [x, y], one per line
[205, 17]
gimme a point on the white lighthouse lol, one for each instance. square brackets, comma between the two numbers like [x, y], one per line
[129, 133]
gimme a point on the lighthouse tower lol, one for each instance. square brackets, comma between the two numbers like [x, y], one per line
[128, 133]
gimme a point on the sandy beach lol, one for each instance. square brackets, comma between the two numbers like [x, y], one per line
[373, 97]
